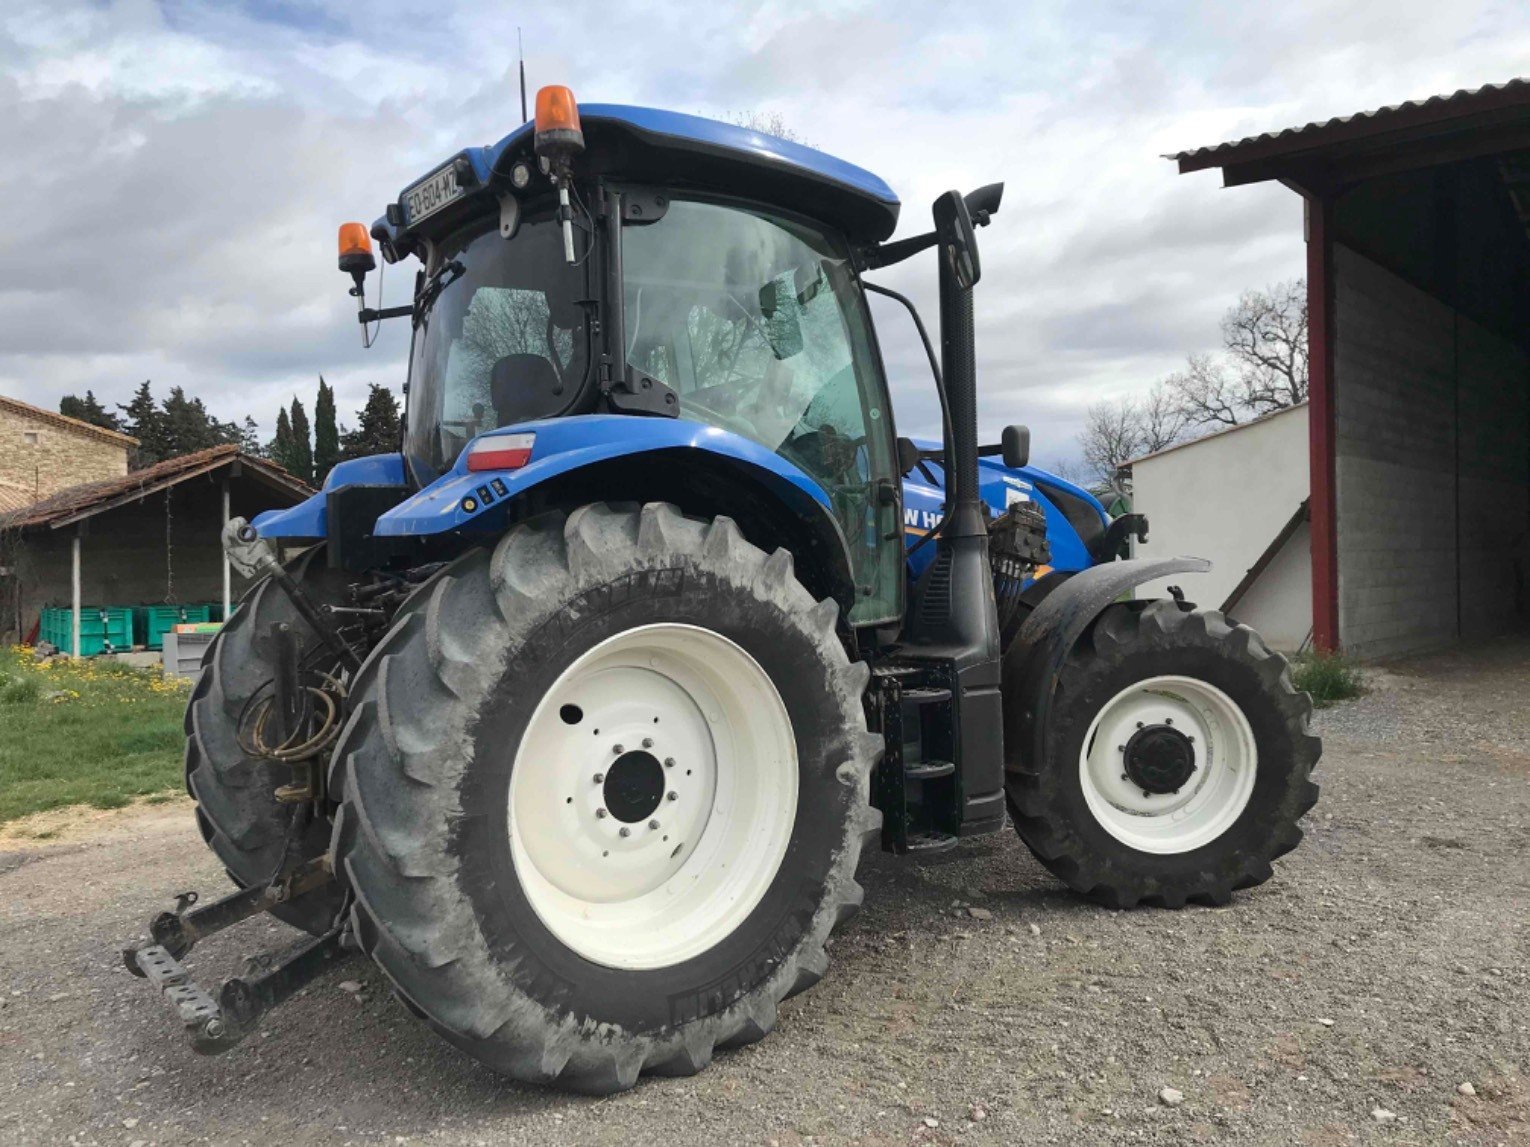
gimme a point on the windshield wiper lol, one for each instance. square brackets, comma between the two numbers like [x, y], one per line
[433, 287]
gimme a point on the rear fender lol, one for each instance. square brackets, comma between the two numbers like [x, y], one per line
[1036, 656]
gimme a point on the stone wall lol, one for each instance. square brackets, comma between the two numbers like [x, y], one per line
[41, 453]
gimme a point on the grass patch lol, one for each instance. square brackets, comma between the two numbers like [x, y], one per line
[1329, 677]
[86, 732]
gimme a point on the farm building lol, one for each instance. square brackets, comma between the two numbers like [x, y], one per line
[1418, 277]
[42, 452]
[1248, 515]
[152, 536]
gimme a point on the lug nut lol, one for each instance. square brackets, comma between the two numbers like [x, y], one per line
[600, 778]
[626, 831]
[1168, 720]
[617, 749]
[600, 814]
[672, 796]
[1140, 725]
[647, 742]
[669, 762]
[653, 824]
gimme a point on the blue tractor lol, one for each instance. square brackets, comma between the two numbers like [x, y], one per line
[576, 713]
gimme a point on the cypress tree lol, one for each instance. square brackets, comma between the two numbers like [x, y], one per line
[280, 449]
[326, 435]
[302, 444]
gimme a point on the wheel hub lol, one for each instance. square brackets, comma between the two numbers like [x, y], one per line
[1159, 759]
[653, 796]
[634, 786]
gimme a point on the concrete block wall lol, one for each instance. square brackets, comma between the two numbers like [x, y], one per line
[1415, 383]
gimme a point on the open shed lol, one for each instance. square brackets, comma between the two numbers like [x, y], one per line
[1418, 278]
[150, 536]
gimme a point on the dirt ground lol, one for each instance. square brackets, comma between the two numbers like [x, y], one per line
[1348, 1000]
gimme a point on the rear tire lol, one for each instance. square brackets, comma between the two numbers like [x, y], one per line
[1178, 760]
[473, 831]
[237, 811]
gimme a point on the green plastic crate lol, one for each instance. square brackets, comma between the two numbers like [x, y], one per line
[102, 628]
[152, 622]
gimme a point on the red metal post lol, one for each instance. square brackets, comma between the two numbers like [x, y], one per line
[1320, 424]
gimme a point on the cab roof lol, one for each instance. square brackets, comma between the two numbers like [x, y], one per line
[678, 150]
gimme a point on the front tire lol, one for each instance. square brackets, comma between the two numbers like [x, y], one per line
[1178, 760]
[237, 811]
[534, 914]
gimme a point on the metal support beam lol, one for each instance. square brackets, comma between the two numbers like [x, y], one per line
[1320, 425]
[227, 569]
[74, 586]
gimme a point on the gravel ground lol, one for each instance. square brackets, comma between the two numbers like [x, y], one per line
[1349, 1000]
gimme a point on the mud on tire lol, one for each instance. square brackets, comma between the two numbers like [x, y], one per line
[237, 812]
[424, 769]
[1132, 643]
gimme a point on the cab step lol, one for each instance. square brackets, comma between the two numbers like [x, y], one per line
[928, 770]
[926, 695]
[929, 843]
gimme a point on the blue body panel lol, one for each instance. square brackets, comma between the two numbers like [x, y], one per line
[565, 444]
[697, 129]
[1000, 486]
[309, 518]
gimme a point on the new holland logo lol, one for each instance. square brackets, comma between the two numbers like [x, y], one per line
[919, 522]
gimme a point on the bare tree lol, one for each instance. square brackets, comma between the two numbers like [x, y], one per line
[1205, 394]
[767, 123]
[1266, 335]
[1116, 432]
[1264, 338]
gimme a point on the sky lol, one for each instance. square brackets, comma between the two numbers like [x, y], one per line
[174, 173]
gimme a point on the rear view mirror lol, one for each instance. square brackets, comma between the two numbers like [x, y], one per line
[908, 456]
[1016, 446]
[958, 243]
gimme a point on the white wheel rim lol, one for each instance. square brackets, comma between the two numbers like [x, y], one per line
[1213, 796]
[622, 892]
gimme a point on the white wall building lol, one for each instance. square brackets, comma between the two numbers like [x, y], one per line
[1239, 498]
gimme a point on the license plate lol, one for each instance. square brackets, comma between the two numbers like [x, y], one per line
[431, 194]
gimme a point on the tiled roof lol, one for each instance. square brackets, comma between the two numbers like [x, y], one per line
[14, 497]
[92, 497]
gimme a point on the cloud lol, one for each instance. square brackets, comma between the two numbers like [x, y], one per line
[175, 171]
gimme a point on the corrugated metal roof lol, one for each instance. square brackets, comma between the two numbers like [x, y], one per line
[1410, 113]
[90, 498]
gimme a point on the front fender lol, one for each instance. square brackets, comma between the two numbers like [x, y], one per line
[310, 517]
[476, 501]
[1035, 658]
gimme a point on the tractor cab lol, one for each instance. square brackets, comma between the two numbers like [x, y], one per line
[638, 274]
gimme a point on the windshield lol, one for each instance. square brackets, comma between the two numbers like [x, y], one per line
[506, 342]
[757, 323]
